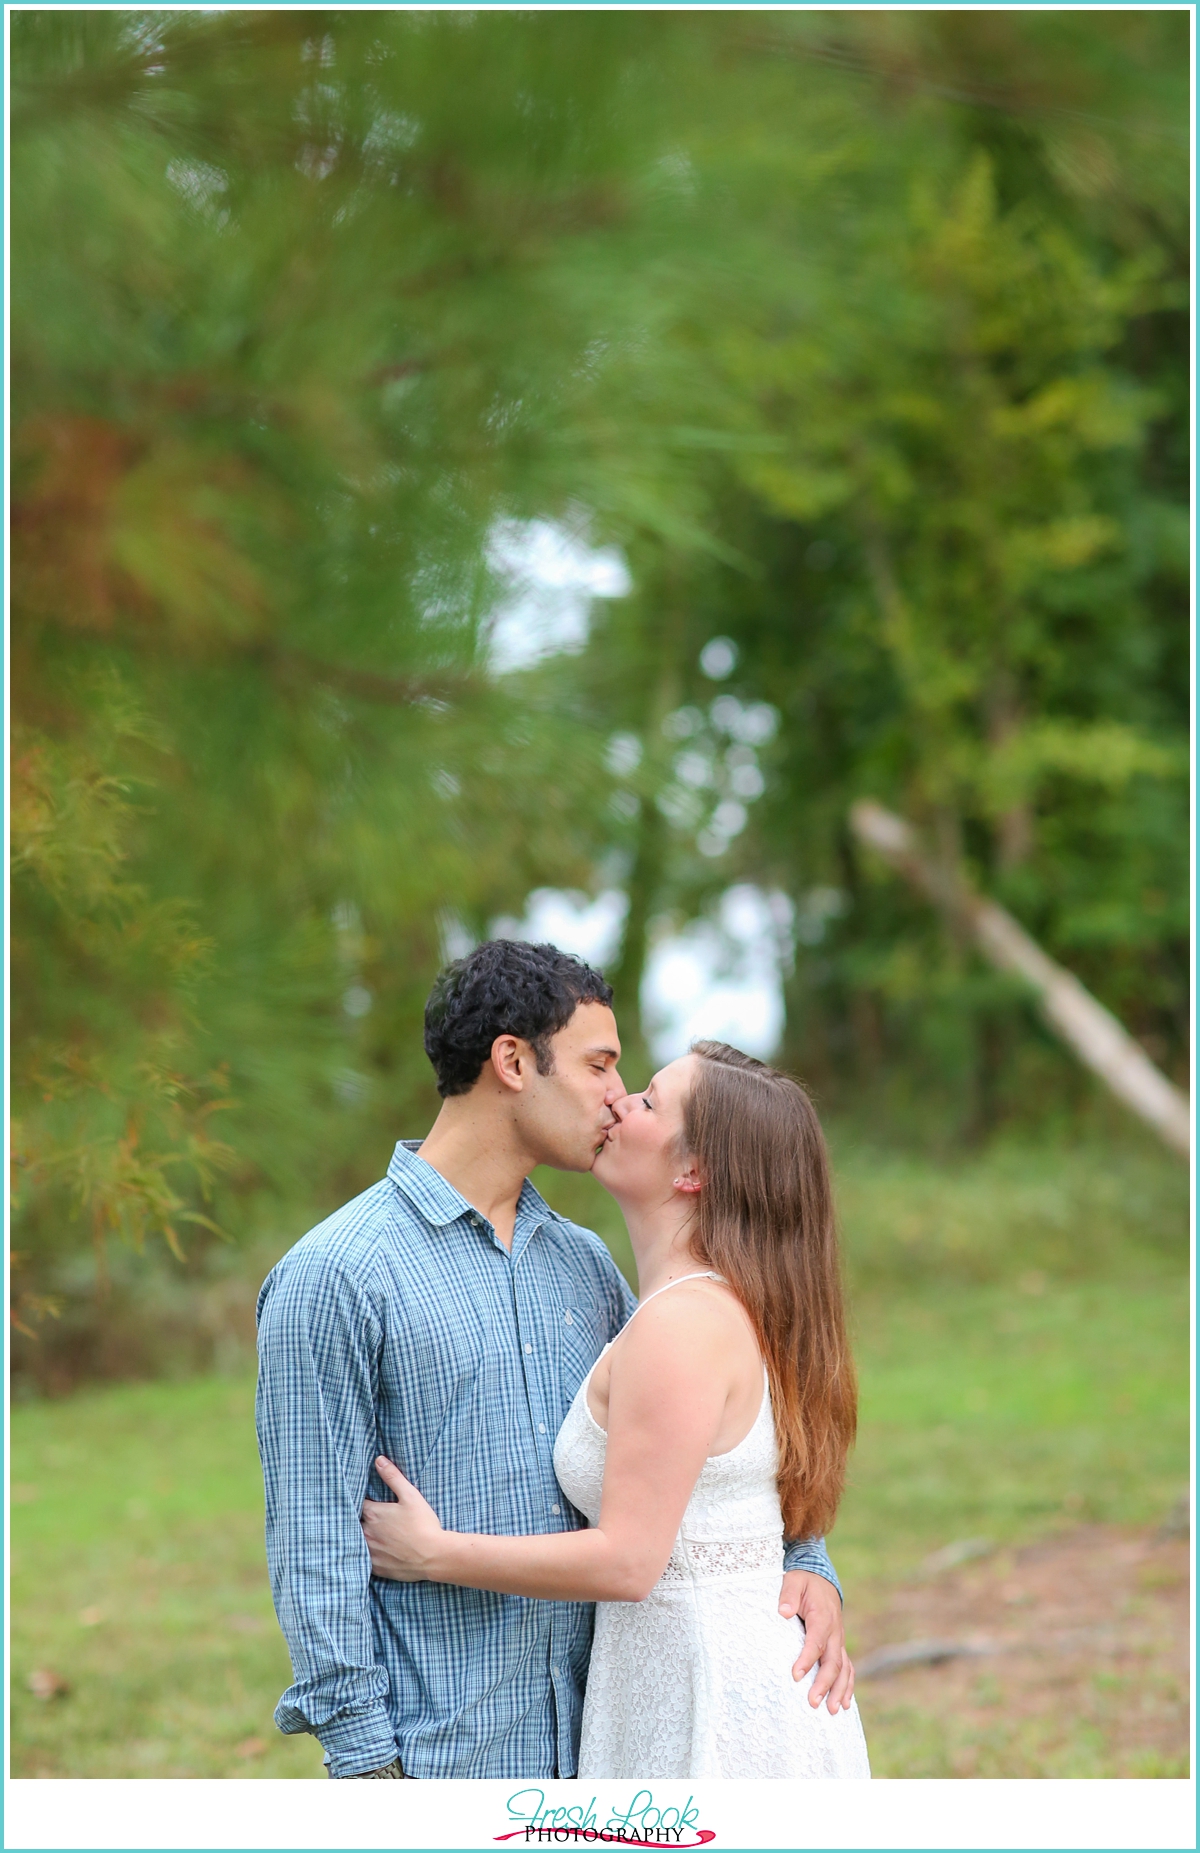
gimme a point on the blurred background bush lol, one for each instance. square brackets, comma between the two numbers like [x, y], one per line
[533, 472]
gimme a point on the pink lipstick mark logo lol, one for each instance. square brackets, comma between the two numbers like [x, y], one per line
[638, 1823]
[565, 1836]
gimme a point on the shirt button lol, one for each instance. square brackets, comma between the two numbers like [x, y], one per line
[541, 1428]
[529, 1348]
[556, 1510]
[567, 1319]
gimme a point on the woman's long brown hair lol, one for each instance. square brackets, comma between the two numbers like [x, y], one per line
[765, 1221]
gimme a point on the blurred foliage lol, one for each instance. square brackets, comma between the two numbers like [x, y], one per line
[864, 336]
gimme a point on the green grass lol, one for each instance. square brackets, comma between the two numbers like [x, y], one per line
[987, 1412]
[907, 1742]
[1023, 1345]
[138, 1577]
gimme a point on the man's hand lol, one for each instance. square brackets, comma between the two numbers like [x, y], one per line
[817, 1603]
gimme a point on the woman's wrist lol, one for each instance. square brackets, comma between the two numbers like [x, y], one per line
[440, 1566]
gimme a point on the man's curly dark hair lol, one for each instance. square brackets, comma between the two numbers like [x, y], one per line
[504, 988]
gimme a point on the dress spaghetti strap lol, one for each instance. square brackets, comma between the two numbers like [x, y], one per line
[708, 1275]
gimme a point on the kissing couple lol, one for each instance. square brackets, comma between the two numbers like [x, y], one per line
[520, 1524]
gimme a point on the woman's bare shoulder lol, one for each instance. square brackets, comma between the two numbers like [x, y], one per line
[694, 1317]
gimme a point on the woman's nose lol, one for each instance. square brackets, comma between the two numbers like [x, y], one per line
[622, 1108]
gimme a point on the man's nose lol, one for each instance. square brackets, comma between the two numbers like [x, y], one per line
[616, 1089]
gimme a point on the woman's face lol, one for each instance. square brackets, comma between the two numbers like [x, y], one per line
[643, 1154]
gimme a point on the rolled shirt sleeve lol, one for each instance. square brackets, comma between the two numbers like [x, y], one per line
[319, 1340]
[810, 1554]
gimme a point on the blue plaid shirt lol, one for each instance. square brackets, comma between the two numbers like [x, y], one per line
[402, 1326]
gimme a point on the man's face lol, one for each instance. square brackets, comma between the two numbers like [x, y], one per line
[565, 1115]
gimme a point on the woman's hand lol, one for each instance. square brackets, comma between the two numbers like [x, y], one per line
[404, 1539]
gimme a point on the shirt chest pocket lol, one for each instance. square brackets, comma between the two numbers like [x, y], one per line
[579, 1337]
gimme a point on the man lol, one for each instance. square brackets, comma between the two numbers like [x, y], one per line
[445, 1319]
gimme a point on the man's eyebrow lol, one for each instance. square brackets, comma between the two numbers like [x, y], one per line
[603, 1049]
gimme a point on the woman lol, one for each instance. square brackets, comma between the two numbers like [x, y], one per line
[715, 1424]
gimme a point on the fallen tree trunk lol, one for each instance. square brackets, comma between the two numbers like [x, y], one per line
[1072, 1012]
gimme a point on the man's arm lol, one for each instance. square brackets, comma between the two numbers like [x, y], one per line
[318, 1342]
[811, 1590]
[810, 1554]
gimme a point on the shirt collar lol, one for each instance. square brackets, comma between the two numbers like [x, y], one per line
[436, 1198]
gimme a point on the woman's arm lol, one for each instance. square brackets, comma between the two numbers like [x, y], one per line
[408, 1544]
[670, 1382]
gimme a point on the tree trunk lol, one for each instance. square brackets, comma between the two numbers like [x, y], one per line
[646, 876]
[645, 879]
[1014, 827]
[1094, 1034]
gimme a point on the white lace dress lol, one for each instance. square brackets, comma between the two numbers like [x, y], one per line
[697, 1679]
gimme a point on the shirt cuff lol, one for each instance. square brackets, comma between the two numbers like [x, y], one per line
[358, 1742]
[805, 1556]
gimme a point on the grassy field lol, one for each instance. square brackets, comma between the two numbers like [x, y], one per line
[1022, 1332]
[138, 1578]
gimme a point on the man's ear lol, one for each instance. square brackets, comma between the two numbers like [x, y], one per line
[510, 1062]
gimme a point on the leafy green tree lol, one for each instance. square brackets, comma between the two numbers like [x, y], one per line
[948, 540]
[862, 334]
[299, 309]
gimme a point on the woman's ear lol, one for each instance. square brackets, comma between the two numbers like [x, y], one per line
[688, 1181]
